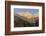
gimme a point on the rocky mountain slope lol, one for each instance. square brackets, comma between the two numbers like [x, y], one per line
[29, 18]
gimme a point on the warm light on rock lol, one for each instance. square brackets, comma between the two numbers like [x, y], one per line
[26, 15]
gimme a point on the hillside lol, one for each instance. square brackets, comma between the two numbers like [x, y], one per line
[28, 17]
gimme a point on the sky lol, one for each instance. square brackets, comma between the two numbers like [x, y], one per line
[19, 10]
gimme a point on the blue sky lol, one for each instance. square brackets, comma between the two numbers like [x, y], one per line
[19, 10]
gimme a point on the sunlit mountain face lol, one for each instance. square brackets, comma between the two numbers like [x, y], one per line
[26, 19]
[26, 15]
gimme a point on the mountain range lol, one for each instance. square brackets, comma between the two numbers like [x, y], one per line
[26, 19]
[28, 16]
